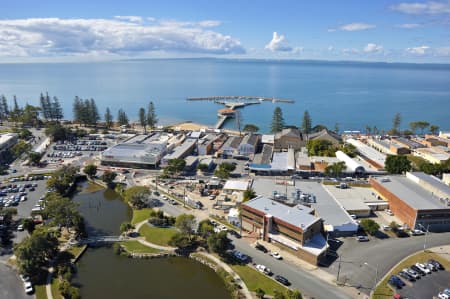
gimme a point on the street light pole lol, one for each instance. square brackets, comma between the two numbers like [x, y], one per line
[376, 273]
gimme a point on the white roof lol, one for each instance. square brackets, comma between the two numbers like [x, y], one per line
[268, 138]
[352, 164]
[233, 213]
[236, 185]
[368, 151]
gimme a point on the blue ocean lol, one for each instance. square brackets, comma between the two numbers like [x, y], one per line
[351, 94]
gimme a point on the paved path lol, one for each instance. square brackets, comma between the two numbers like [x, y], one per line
[148, 244]
[227, 268]
[48, 286]
[11, 287]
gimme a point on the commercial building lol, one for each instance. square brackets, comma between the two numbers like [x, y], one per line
[388, 147]
[134, 155]
[416, 200]
[432, 155]
[294, 229]
[410, 144]
[370, 155]
[282, 163]
[249, 145]
[180, 152]
[289, 138]
[205, 145]
[350, 163]
[7, 141]
[230, 147]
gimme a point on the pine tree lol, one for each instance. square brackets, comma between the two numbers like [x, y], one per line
[152, 119]
[143, 119]
[94, 116]
[57, 109]
[16, 112]
[277, 120]
[306, 123]
[45, 109]
[396, 124]
[108, 118]
[122, 118]
[3, 109]
[77, 110]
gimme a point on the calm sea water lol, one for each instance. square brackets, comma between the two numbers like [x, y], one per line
[351, 94]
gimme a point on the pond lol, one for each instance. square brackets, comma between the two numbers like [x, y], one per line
[103, 274]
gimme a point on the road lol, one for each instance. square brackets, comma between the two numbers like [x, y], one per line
[378, 253]
[300, 279]
[11, 287]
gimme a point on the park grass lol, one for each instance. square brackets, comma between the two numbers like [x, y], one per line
[383, 291]
[75, 250]
[40, 291]
[254, 280]
[157, 235]
[140, 215]
[136, 247]
[55, 288]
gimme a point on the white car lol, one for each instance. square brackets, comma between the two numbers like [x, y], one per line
[276, 255]
[20, 227]
[443, 296]
[423, 268]
[389, 212]
[417, 232]
[24, 278]
[28, 287]
[263, 269]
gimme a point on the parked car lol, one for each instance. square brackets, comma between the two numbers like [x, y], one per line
[389, 212]
[263, 269]
[423, 268]
[24, 278]
[282, 280]
[240, 256]
[28, 288]
[405, 275]
[20, 227]
[412, 273]
[261, 248]
[437, 264]
[430, 266]
[418, 270]
[362, 238]
[276, 255]
[396, 282]
[417, 232]
[443, 295]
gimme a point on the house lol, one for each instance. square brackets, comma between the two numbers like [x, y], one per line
[249, 145]
[289, 138]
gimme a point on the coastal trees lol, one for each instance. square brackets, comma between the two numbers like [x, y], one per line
[108, 177]
[186, 223]
[248, 194]
[62, 179]
[143, 119]
[51, 110]
[137, 196]
[224, 170]
[90, 170]
[306, 123]
[317, 147]
[152, 119]
[61, 211]
[122, 118]
[34, 158]
[35, 252]
[4, 110]
[397, 164]
[174, 166]
[108, 118]
[251, 128]
[57, 132]
[396, 121]
[434, 129]
[277, 120]
[218, 242]
[85, 111]
[421, 125]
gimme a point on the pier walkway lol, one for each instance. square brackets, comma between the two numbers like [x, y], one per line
[102, 239]
[240, 98]
[221, 121]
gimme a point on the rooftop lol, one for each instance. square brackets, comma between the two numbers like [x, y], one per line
[299, 216]
[232, 142]
[236, 185]
[433, 181]
[181, 150]
[134, 152]
[368, 151]
[411, 193]
[410, 143]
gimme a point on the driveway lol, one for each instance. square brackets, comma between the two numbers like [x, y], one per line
[382, 254]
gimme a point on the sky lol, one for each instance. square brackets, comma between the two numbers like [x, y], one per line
[360, 30]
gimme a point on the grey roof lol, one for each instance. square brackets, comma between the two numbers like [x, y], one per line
[232, 142]
[299, 216]
[410, 143]
[251, 139]
[326, 206]
[434, 182]
[181, 150]
[146, 153]
[411, 193]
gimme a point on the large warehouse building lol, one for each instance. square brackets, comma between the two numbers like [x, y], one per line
[418, 200]
[134, 155]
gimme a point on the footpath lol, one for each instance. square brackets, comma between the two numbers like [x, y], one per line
[148, 244]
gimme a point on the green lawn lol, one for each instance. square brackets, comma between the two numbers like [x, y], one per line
[75, 250]
[55, 288]
[136, 247]
[156, 235]
[40, 292]
[254, 279]
[140, 215]
[383, 291]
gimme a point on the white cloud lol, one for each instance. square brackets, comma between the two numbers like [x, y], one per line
[134, 19]
[423, 8]
[278, 44]
[118, 36]
[347, 51]
[373, 48]
[409, 26]
[443, 51]
[422, 50]
[356, 27]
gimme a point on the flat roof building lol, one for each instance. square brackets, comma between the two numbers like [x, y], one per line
[411, 200]
[180, 152]
[371, 155]
[249, 145]
[431, 155]
[294, 229]
[350, 163]
[134, 155]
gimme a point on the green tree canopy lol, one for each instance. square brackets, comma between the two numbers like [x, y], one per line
[248, 194]
[62, 179]
[152, 119]
[335, 169]
[143, 119]
[34, 158]
[317, 147]
[108, 177]
[57, 132]
[306, 125]
[90, 170]
[251, 128]
[175, 166]
[277, 121]
[61, 211]
[369, 226]
[186, 223]
[397, 164]
[108, 118]
[218, 242]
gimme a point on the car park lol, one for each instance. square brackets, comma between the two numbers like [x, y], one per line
[430, 266]
[396, 282]
[418, 270]
[437, 264]
[412, 273]
[282, 280]
[405, 275]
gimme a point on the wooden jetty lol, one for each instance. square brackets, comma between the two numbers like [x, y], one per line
[240, 98]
